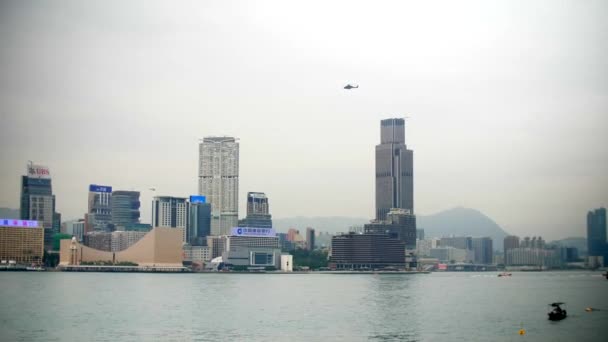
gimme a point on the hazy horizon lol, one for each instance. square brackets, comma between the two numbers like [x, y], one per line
[507, 102]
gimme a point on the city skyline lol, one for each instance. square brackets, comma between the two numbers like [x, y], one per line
[504, 118]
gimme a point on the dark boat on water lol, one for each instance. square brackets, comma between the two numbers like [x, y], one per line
[557, 314]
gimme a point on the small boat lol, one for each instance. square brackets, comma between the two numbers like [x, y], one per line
[557, 314]
[504, 274]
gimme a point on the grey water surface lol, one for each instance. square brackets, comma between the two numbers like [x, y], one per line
[56, 306]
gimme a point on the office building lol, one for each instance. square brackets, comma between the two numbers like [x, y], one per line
[199, 221]
[217, 244]
[423, 247]
[483, 250]
[258, 214]
[460, 242]
[537, 257]
[170, 212]
[121, 240]
[125, 208]
[197, 254]
[218, 181]
[99, 213]
[394, 169]
[21, 241]
[509, 242]
[310, 239]
[448, 254]
[366, 251]
[399, 223]
[597, 245]
[38, 202]
[99, 240]
[76, 229]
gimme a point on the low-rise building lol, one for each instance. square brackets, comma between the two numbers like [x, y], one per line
[197, 254]
[362, 251]
[451, 254]
[21, 241]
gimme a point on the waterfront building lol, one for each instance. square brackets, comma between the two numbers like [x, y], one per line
[199, 221]
[310, 239]
[217, 244]
[258, 214]
[460, 242]
[538, 257]
[38, 202]
[399, 223]
[423, 247]
[286, 262]
[121, 240]
[509, 242]
[218, 181]
[161, 247]
[483, 250]
[76, 229]
[596, 234]
[170, 212]
[394, 169]
[448, 254]
[99, 240]
[258, 257]
[366, 251]
[197, 254]
[21, 241]
[99, 211]
[125, 208]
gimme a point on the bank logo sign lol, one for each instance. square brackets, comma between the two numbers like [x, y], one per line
[248, 231]
[99, 188]
[18, 223]
[198, 199]
[38, 171]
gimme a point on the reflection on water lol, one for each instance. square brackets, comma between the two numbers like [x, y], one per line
[300, 307]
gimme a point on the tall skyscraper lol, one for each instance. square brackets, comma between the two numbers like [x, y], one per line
[394, 169]
[484, 252]
[125, 208]
[218, 181]
[199, 221]
[399, 223]
[258, 215]
[510, 242]
[310, 239]
[596, 234]
[38, 201]
[170, 212]
[99, 213]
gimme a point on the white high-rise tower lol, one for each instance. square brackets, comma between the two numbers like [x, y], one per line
[218, 180]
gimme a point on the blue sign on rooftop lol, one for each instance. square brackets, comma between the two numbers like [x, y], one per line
[99, 188]
[198, 199]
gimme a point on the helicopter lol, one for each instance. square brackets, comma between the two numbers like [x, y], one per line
[350, 86]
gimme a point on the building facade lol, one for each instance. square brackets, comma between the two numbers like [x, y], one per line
[99, 211]
[483, 250]
[366, 251]
[310, 239]
[399, 223]
[171, 212]
[258, 211]
[509, 242]
[121, 240]
[125, 208]
[596, 234]
[199, 221]
[21, 241]
[218, 181]
[75, 228]
[394, 169]
[38, 202]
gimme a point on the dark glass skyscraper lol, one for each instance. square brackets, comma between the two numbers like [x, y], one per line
[258, 214]
[125, 208]
[596, 234]
[199, 222]
[394, 169]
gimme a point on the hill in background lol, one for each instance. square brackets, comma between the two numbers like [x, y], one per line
[457, 221]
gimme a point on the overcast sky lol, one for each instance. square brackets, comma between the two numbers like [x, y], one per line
[508, 101]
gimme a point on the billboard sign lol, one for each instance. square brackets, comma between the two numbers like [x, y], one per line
[19, 223]
[99, 188]
[250, 231]
[198, 199]
[38, 171]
